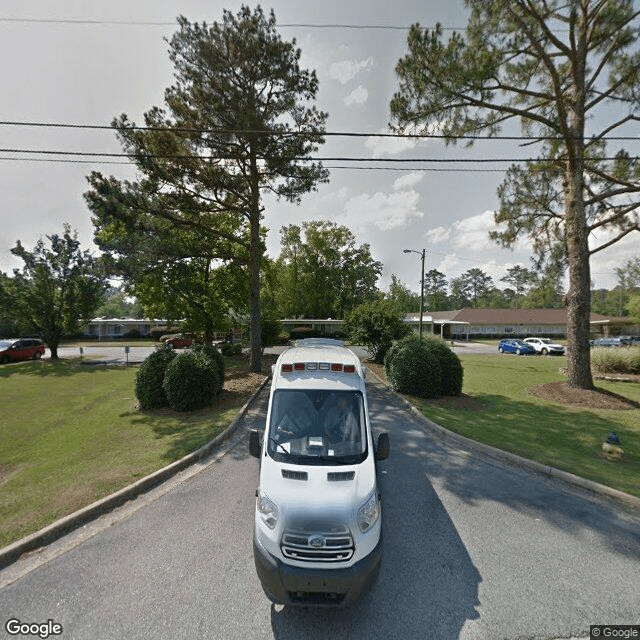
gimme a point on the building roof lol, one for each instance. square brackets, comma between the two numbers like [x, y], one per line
[513, 316]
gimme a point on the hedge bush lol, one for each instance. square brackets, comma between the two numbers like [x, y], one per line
[426, 368]
[411, 367]
[149, 379]
[212, 352]
[191, 381]
[616, 359]
[450, 366]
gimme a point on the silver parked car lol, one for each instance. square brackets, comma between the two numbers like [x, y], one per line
[545, 346]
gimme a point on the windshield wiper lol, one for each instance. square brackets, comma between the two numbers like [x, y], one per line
[286, 453]
[337, 460]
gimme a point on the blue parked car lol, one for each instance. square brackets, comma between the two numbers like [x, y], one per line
[513, 345]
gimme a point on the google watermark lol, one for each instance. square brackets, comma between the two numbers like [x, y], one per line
[15, 627]
[626, 631]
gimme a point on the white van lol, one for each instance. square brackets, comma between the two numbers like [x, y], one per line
[317, 535]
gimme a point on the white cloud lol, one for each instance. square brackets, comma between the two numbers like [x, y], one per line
[472, 231]
[448, 265]
[605, 262]
[394, 146]
[438, 235]
[407, 181]
[388, 146]
[357, 96]
[346, 70]
[386, 211]
[471, 234]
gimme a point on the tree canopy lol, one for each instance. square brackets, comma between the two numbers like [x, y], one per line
[57, 290]
[236, 122]
[568, 72]
[322, 272]
[375, 325]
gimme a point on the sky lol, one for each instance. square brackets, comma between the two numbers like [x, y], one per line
[86, 62]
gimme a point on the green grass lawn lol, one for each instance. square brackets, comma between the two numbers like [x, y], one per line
[72, 434]
[559, 436]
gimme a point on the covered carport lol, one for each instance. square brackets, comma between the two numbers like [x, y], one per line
[459, 324]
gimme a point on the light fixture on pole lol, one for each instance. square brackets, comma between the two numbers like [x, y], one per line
[420, 253]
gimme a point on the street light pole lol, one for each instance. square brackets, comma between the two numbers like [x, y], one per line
[422, 254]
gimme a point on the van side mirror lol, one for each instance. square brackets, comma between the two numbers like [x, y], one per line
[255, 449]
[382, 450]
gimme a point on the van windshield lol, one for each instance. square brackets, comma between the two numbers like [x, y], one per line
[317, 427]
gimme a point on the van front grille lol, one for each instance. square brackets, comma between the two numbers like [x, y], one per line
[334, 545]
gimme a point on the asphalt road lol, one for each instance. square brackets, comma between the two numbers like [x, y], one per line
[95, 352]
[472, 551]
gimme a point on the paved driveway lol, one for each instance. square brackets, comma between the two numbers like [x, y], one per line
[472, 551]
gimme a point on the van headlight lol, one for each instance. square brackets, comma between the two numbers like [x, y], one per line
[267, 510]
[369, 512]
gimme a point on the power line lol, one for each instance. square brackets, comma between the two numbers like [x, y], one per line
[153, 23]
[351, 134]
[286, 25]
[332, 167]
[64, 161]
[378, 161]
[159, 156]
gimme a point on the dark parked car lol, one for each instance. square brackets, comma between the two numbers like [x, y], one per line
[182, 340]
[21, 349]
[513, 345]
[606, 342]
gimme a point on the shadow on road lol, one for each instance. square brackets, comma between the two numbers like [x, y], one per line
[428, 585]
[474, 480]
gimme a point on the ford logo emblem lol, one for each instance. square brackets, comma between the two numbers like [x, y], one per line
[316, 541]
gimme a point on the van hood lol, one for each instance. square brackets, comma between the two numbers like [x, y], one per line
[317, 493]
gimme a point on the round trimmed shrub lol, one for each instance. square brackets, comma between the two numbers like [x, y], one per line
[450, 366]
[214, 354]
[149, 379]
[191, 381]
[411, 367]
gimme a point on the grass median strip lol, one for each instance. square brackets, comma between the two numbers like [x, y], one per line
[72, 434]
[497, 410]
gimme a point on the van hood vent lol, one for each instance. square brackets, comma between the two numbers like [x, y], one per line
[294, 475]
[341, 476]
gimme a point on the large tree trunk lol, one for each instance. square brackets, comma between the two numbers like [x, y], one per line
[578, 298]
[255, 363]
[255, 253]
[52, 340]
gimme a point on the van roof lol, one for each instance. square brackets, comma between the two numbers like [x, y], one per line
[314, 354]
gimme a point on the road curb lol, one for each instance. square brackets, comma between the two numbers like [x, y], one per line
[59, 528]
[627, 502]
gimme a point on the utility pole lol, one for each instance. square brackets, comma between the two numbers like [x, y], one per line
[422, 254]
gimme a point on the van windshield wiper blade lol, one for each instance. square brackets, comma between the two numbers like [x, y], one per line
[337, 460]
[278, 445]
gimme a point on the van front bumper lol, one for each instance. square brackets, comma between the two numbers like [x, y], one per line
[326, 587]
